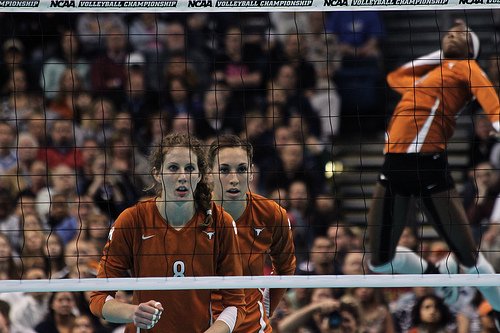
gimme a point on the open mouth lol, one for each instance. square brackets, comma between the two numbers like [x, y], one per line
[182, 191]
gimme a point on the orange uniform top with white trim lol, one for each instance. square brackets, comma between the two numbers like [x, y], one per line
[432, 98]
[142, 244]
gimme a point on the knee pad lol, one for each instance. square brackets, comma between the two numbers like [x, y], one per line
[405, 261]
[482, 266]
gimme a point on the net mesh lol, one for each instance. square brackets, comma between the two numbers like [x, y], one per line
[87, 95]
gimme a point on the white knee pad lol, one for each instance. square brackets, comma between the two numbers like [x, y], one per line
[405, 262]
[482, 266]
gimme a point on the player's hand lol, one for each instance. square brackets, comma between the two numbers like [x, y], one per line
[146, 315]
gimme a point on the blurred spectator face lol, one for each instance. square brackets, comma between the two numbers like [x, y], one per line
[18, 82]
[294, 46]
[38, 175]
[54, 247]
[274, 116]
[59, 207]
[322, 251]
[63, 179]
[89, 150]
[98, 226]
[36, 127]
[31, 222]
[103, 111]
[13, 53]
[177, 67]
[364, 295]
[320, 294]
[281, 137]
[175, 37]
[116, 40]
[214, 105]
[62, 133]
[6, 136]
[136, 84]
[276, 94]
[297, 195]
[408, 238]
[70, 81]
[298, 126]
[5, 248]
[26, 206]
[254, 126]
[27, 148]
[63, 303]
[233, 41]
[280, 195]
[437, 250]
[286, 78]
[429, 312]
[69, 43]
[292, 156]
[341, 239]
[482, 127]
[123, 122]
[83, 324]
[122, 147]
[178, 91]
[79, 252]
[353, 263]
[485, 174]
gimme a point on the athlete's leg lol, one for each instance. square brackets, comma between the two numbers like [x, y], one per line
[449, 217]
[386, 220]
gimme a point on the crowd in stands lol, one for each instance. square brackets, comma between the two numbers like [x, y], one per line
[82, 106]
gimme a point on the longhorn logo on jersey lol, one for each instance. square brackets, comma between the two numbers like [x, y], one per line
[258, 231]
[210, 234]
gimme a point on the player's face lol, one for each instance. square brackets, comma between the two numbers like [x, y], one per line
[179, 174]
[231, 174]
[456, 42]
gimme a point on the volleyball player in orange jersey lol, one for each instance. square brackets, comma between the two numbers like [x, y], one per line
[434, 89]
[179, 233]
[263, 228]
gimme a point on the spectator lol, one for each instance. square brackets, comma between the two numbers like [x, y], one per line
[96, 229]
[28, 309]
[6, 325]
[323, 314]
[241, 70]
[374, 311]
[355, 263]
[60, 220]
[480, 193]
[92, 28]
[83, 324]
[139, 101]
[65, 100]
[359, 35]
[98, 122]
[33, 242]
[148, 33]
[61, 315]
[8, 156]
[402, 307]
[108, 72]
[487, 318]
[9, 270]
[179, 98]
[80, 255]
[68, 55]
[299, 211]
[344, 240]
[321, 259]
[62, 180]
[62, 148]
[9, 221]
[217, 117]
[430, 314]
[53, 254]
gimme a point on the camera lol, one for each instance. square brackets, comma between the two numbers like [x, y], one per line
[334, 319]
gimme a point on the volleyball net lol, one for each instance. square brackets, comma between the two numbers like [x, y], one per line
[89, 87]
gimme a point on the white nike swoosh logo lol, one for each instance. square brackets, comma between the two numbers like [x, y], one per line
[147, 237]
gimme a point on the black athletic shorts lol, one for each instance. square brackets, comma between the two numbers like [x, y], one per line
[416, 174]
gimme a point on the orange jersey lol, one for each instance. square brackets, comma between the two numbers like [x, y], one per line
[263, 229]
[142, 243]
[432, 98]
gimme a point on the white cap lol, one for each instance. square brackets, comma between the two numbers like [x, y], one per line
[135, 59]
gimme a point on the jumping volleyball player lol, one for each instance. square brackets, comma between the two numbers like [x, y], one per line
[434, 89]
[263, 228]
